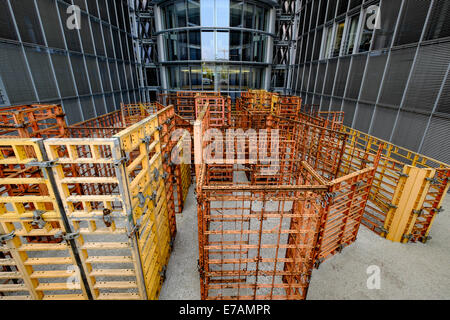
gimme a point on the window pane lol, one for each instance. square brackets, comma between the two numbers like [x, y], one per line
[338, 39]
[208, 77]
[222, 13]
[327, 52]
[181, 14]
[248, 16]
[207, 8]
[236, 13]
[196, 78]
[234, 77]
[350, 41]
[223, 46]
[366, 38]
[235, 46]
[182, 44]
[247, 47]
[208, 51]
[194, 12]
[194, 45]
[184, 76]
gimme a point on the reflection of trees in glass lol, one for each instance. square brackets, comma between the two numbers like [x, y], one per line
[338, 39]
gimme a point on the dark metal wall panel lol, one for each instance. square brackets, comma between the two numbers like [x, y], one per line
[99, 105]
[42, 73]
[341, 76]
[331, 73]
[336, 104]
[63, 74]
[7, 29]
[349, 108]
[305, 78]
[110, 104]
[312, 77]
[356, 76]
[444, 101]
[320, 77]
[14, 74]
[363, 117]
[412, 21]
[437, 141]
[79, 72]
[439, 23]
[72, 109]
[428, 74]
[383, 122]
[87, 107]
[410, 130]
[397, 76]
[27, 21]
[94, 77]
[372, 82]
[52, 28]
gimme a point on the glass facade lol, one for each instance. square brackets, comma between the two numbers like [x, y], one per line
[215, 44]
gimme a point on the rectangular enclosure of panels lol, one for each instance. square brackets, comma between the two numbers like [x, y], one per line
[261, 232]
[90, 217]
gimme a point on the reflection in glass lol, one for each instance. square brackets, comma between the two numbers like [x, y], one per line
[248, 15]
[180, 9]
[196, 78]
[366, 38]
[338, 38]
[236, 13]
[222, 76]
[234, 73]
[184, 76]
[183, 46]
[222, 13]
[174, 78]
[194, 45]
[207, 13]
[208, 52]
[223, 46]
[351, 35]
[326, 54]
[235, 46]
[193, 13]
[247, 46]
[208, 78]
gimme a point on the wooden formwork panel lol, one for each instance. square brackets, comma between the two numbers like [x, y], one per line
[427, 182]
[148, 200]
[219, 109]
[100, 213]
[166, 127]
[29, 213]
[33, 121]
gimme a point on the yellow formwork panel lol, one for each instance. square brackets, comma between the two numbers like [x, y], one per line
[98, 209]
[407, 190]
[145, 182]
[35, 262]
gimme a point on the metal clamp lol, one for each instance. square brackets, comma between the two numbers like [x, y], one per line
[67, 236]
[142, 198]
[168, 121]
[135, 230]
[418, 212]
[156, 174]
[381, 230]
[159, 128]
[162, 274]
[433, 181]
[41, 164]
[426, 238]
[438, 210]
[392, 206]
[318, 262]
[407, 236]
[147, 139]
[107, 218]
[121, 160]
[8, 236]
[403, 175]
[38, 221]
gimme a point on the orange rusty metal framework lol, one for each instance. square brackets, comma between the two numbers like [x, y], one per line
[33, 121]
[260, 238]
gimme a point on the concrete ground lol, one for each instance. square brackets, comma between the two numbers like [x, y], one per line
[407, 271]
